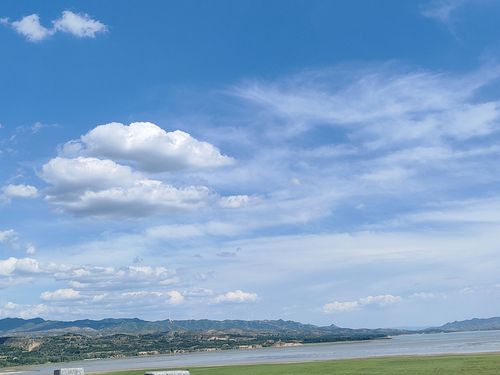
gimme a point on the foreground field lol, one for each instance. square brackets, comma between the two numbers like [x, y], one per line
[485, 364]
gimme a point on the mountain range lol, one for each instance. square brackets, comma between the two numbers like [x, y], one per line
[39, 326]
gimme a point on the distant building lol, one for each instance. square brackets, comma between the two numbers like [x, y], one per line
[170, 372]
[69, 371]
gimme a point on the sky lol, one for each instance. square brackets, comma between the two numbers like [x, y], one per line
[328, 162]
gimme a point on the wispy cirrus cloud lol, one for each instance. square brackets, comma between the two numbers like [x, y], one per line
[443, 10]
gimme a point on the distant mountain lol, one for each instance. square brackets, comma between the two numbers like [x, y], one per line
[17, 326]
[8, 324]
[470, 325]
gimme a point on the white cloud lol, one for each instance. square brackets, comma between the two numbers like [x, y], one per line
[8, 235]
[31, 28]
[88, 179]
[237, 296]
[19, 191]
[237, 201]
[60, 295]
[175, 297]
[69, 175]
[78, 24]
[95, 187]
[380, 300]
[148, 147]
[381, 106]
[19, 266]
[111, 278]
[145, 197]
[397, 135]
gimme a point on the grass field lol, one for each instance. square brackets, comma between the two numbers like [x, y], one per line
[484, 364]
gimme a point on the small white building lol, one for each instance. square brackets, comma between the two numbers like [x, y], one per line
[69, 371]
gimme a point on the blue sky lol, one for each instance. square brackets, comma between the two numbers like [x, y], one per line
[326, 162]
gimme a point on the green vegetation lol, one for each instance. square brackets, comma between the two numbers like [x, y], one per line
[484, 364]
[28, 350]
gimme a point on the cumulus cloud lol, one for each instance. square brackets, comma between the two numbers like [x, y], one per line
[344, 306]
[148, 147]
[95, 187]
[104, 173]
[89, 287]
[89, 179]
[237, 201]
[175, 297]
[14, 265]
[31, 28]
[81, 173]
[90, 278]
[77, 24]
[19, 191]
[80, 25]
[237, 296]
[60, 295]
[112, 278]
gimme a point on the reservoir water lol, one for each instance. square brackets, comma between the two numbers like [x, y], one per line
[418, 344]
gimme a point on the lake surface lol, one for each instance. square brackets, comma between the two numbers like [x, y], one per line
[439, 343]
